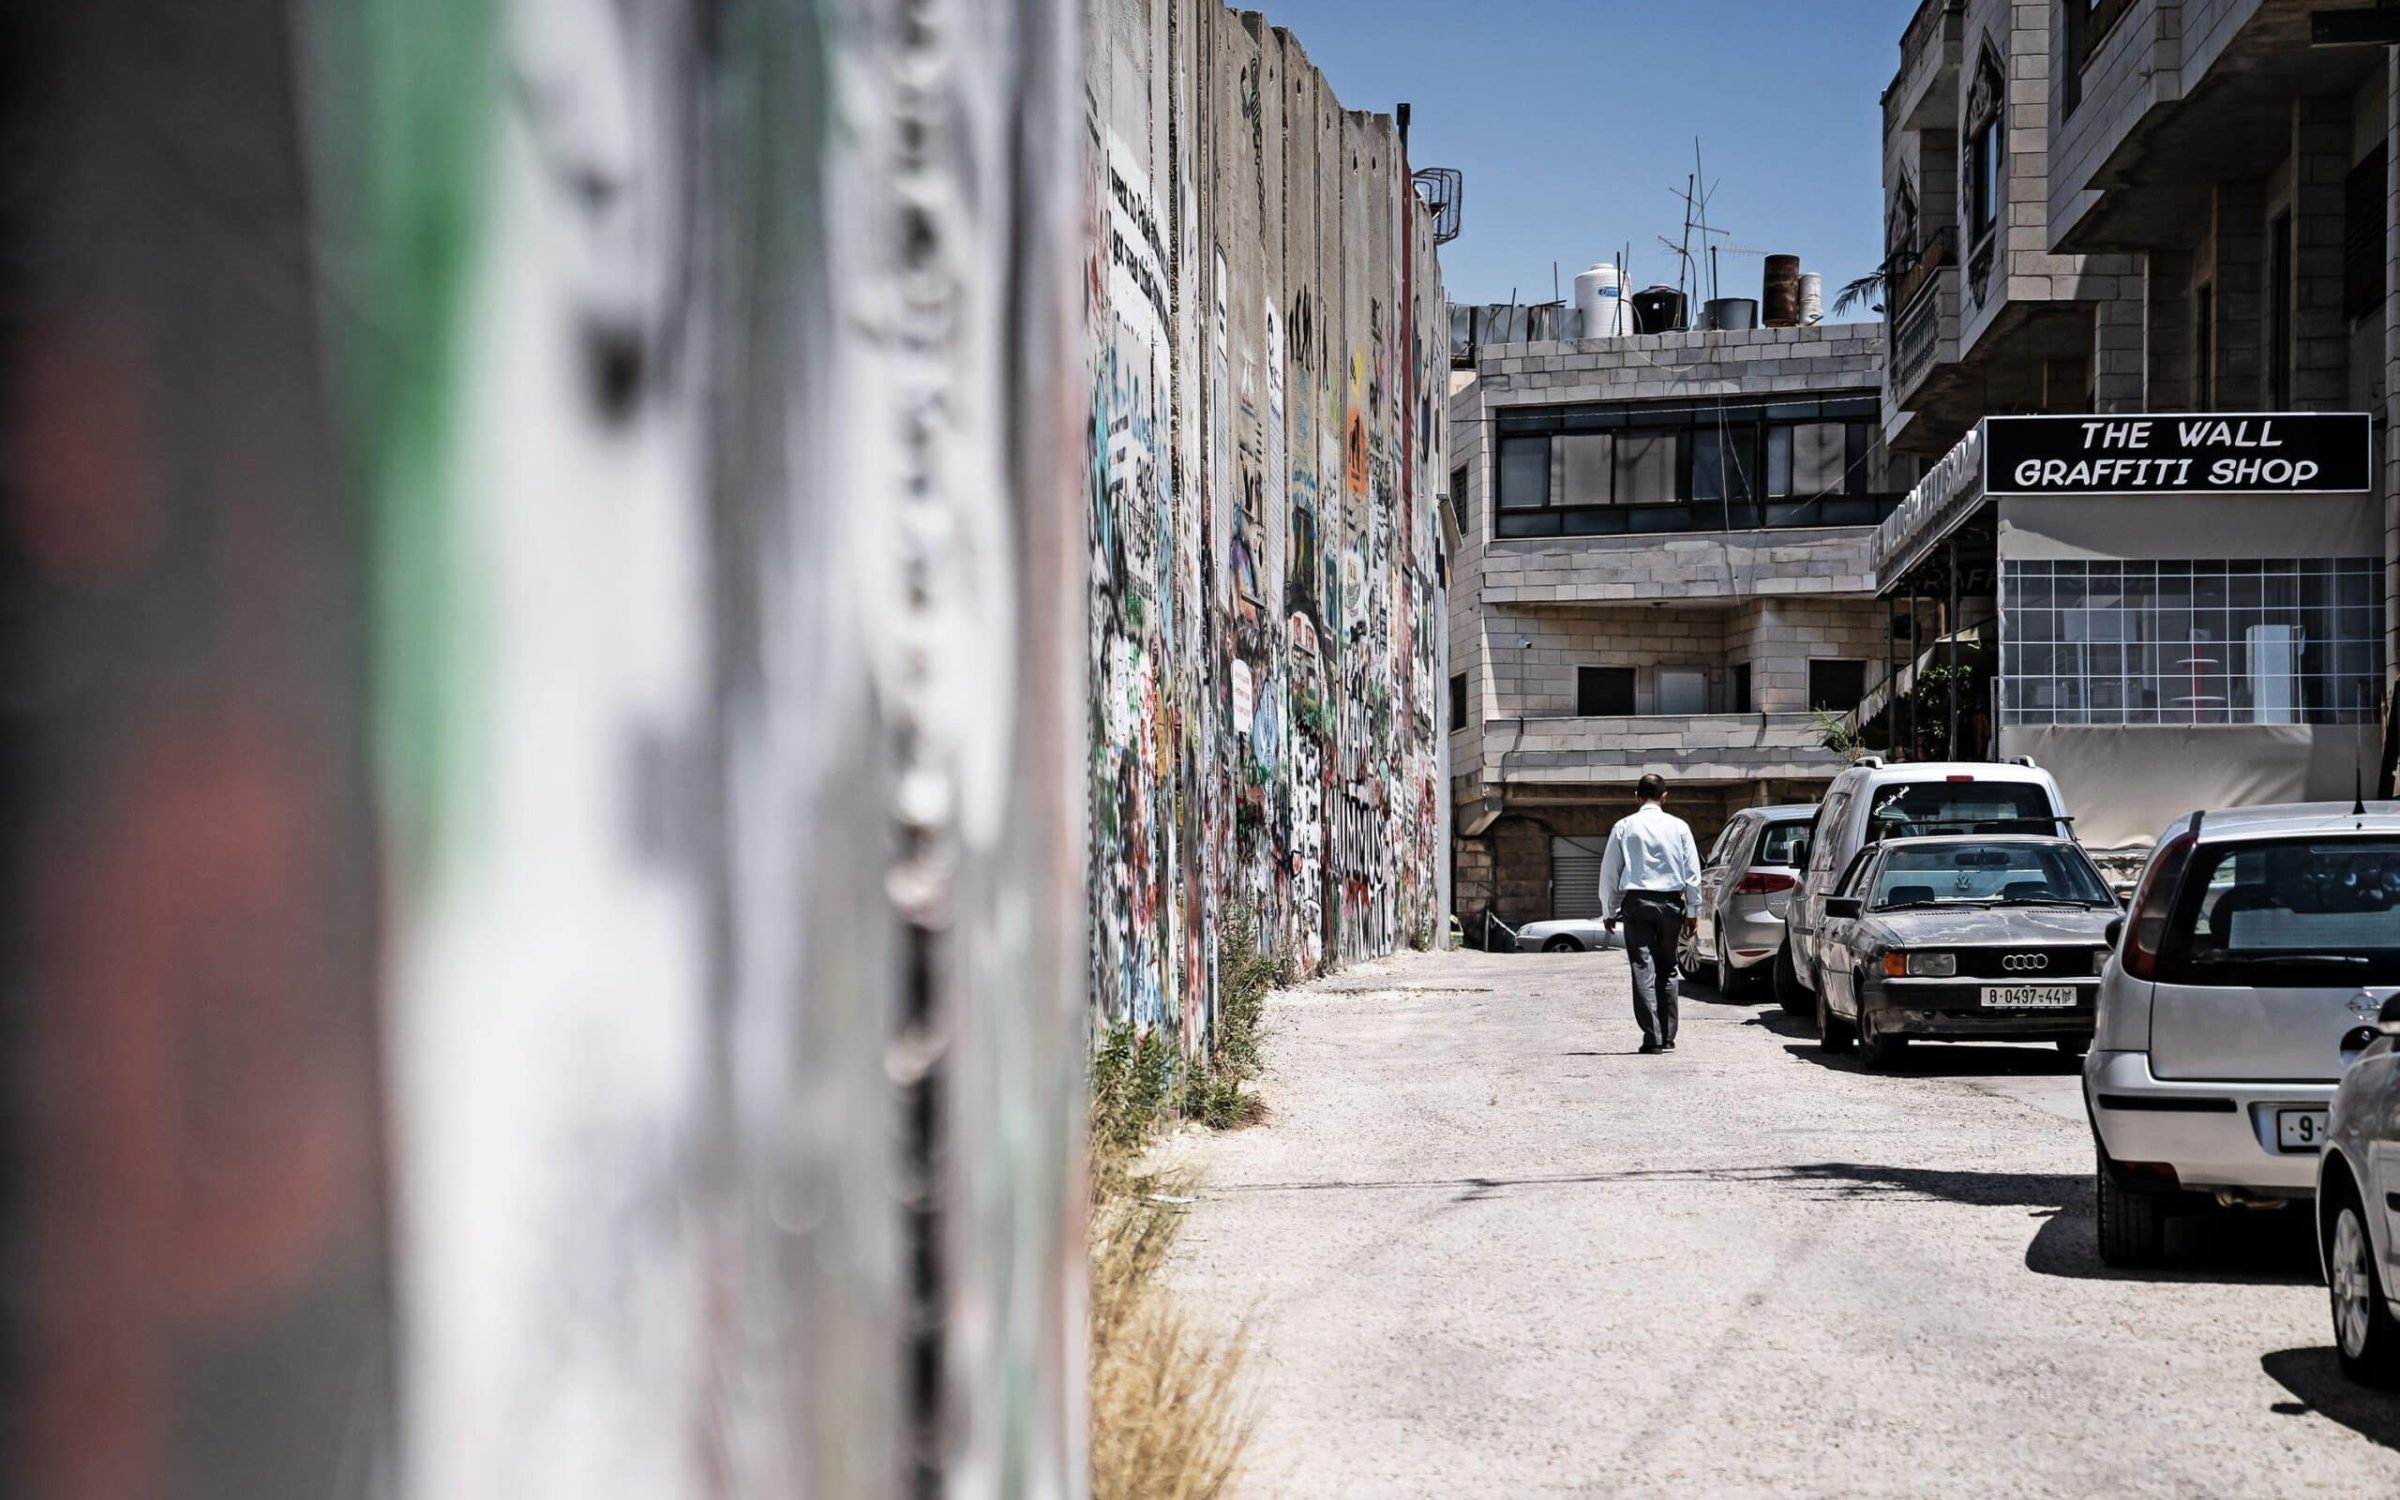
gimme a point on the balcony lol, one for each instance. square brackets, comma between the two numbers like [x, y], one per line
[1685, 568]
[1695, 748]
[1923, 94]
[1924, 324]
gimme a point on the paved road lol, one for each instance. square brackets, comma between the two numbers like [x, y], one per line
[1486, 1250]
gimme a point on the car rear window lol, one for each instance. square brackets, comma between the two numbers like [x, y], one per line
[2310, 912]
[1912, 808]
[1780, 842]
[1996, 874]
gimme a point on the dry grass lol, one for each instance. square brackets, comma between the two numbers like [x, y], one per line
[1169, 1421]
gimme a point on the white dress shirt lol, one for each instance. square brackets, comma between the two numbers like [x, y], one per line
[1651, 850]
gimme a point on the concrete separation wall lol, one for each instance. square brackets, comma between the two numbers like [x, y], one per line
[1267, 657]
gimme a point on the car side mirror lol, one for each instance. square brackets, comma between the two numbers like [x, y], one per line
[2387, 1020]
[1845, 906]
[2115, 933]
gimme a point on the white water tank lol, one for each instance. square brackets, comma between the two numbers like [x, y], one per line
[1812, 298]
[1600, 299]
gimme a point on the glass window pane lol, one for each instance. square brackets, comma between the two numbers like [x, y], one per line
[1779, 461]
[1524, 472]
[1820, 457]
[1582, 470]
[1645, 468]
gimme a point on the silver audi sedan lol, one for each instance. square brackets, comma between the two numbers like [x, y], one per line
[1975, 937]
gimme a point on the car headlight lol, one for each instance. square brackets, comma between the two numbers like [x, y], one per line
[1897, 965]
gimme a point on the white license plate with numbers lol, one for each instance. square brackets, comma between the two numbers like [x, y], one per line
[2028, 997]
[2300, 1129]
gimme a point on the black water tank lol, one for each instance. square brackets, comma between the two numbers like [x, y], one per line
[1658, 309]
[1729, 313]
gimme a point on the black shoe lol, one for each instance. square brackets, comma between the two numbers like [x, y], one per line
[1646, 1048]
[1666, 1046]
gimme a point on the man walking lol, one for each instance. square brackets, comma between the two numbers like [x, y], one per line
[1650, 880]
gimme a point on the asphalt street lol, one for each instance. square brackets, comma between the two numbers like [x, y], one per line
[1482, 1248]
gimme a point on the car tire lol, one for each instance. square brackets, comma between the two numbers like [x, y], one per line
[1833, 1033]
[1562, 945]
[1687, 962]
[1788, 993]
[1880, 1051]
[2132, 1227]
[1730, 980]
[2365, 1335]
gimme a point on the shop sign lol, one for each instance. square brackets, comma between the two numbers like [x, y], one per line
[2203, 453]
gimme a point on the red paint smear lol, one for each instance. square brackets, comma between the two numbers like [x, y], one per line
[203, 1115]
[85, 510]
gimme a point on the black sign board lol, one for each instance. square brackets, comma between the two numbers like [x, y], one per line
[2202, 453]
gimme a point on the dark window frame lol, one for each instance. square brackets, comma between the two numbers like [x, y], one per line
[2365, 207]
[2087, 22]
[1535, 508]
[1458, 701]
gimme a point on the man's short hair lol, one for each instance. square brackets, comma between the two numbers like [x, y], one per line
[1651, 787]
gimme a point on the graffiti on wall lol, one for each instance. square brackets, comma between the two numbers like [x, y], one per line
[1263, 628]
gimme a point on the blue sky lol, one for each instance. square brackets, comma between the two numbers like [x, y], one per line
[1573, 122]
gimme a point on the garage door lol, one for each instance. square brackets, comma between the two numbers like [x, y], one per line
[1575, 876]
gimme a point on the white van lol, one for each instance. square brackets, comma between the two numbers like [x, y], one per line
[1871, 802]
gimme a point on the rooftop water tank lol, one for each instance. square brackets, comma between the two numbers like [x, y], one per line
[1812, 299]
[1658, 309]
[1782, 291]
[1600, 298]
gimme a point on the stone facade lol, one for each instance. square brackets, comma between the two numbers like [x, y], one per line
[1738, 614]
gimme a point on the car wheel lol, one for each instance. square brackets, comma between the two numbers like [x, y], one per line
[1881, 1050]
[1687, 962]
[2364, 1333]
[2132, 1226]
[1729, 979]
[1788, 993]
[1562, 945]
[1833, 1033]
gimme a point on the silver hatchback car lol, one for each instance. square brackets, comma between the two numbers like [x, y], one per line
[2262, 946]
[1745, 884]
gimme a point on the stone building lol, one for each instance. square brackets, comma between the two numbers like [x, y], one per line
[1662, 564]
[2147, 207]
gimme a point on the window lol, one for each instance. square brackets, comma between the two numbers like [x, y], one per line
[2279, 313]
[2086, 22]
[1836, 685]
[1720, 469]
[2362, 237]
[2204, 354]
[1458, 700]
[1987, 116]
[1615, 470]
[1524, 473]
[1780, 842]
[1738, 693]
[1994, 874]
[1914, 809]
[1682, 690]
[2288, 913]
[2245, 641]
[1458, 501]
[1604, 692]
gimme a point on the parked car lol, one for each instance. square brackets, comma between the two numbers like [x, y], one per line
[1959, 939]
[1747, 880]
[2262, 946]
[1870, 802]
[2358, 1205]
[1567, 935]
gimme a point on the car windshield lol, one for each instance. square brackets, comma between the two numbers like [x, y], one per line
[1914, 808]
[1779, 844]
[1995, 874]
[2308, 911]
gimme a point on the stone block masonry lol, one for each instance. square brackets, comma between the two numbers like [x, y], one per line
[1267, 342]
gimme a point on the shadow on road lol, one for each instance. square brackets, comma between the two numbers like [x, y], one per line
[2315, 1377]
[1931, 1059]
[2209, 1246]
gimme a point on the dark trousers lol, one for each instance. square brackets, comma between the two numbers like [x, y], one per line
[1653, 931]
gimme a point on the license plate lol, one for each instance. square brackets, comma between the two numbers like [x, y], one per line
[2300, 1129]
[2028, 997]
